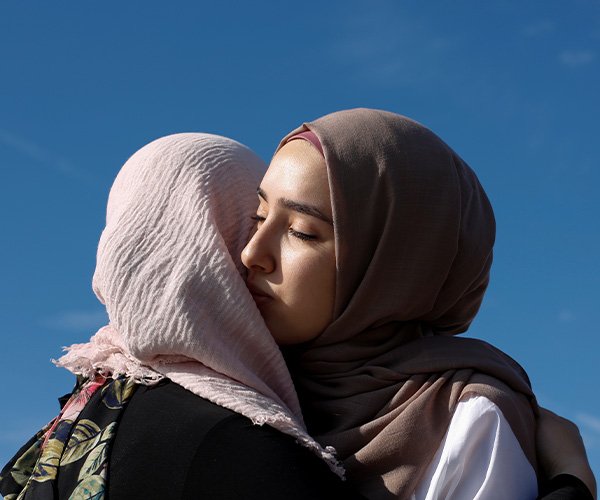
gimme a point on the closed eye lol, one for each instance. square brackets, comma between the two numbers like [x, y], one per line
[293, 232]
[302, 236]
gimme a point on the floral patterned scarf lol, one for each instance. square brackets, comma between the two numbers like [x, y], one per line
[73, 448]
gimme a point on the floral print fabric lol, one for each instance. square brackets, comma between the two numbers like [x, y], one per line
[68, 458]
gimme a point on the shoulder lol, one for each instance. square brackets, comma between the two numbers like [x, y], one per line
[174, 444]
[238, 459]
[160, 431]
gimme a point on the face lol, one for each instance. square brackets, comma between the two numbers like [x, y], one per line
[291, 257]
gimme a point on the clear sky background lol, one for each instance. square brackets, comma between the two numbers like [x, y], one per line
[512, 86]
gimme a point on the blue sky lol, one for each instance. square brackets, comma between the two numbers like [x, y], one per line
[512, 86]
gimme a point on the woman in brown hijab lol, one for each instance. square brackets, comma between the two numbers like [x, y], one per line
[373, 250]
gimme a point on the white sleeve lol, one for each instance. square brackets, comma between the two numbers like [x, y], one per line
[479, 458]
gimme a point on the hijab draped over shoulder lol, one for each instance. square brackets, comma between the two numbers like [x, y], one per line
[169, 273]
[414, 234]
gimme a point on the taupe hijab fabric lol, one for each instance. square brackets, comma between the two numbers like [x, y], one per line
[414, 236]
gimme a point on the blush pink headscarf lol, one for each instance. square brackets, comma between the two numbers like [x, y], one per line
[414, 235]
[169, 272]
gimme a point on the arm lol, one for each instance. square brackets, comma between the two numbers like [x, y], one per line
[560, 451]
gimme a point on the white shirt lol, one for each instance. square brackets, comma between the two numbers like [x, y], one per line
[479, 459]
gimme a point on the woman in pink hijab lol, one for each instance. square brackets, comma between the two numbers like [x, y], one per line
[373, 251]
[185, 394]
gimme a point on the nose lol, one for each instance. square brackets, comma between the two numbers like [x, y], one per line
[257, 255]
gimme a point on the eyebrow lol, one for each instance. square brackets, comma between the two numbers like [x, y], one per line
[302, 208]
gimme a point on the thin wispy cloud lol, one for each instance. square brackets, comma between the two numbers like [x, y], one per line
[566, 315]
[576, 58]
[39, 154]
[589, 421]
[76, 321]
[539, 28]
[589, 427]
[387, 56]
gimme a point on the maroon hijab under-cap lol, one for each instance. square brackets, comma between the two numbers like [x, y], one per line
[414, 235]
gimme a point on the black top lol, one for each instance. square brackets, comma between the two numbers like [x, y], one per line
[172, 444]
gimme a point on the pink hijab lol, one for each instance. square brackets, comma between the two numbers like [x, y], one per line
[169, 272]
[414, 235]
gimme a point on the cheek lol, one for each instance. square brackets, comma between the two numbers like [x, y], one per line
[316, 279]
[299, 279]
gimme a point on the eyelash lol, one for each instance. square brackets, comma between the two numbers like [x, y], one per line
[302, 236]
[296, 234]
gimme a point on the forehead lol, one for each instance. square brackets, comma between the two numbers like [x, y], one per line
[298, 170]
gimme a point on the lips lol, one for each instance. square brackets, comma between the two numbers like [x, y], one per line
[260, 297]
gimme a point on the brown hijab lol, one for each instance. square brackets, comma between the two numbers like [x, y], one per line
[414, 235]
